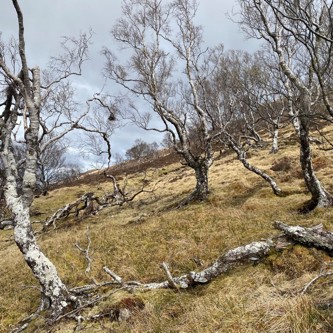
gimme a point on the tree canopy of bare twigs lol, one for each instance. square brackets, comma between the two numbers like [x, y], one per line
[166, 69]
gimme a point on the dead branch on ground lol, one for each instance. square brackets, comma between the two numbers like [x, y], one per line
[86, 252]
[90, 204]
[312, 237]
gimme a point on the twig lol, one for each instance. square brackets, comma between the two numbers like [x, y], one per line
[308, 285]
[114, 276]
[86, 252]
[170, 279]
[25, 322]
[91, 287]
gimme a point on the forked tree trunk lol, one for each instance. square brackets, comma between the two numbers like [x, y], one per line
[320, 197]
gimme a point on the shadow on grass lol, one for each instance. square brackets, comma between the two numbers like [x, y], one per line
[240, 199]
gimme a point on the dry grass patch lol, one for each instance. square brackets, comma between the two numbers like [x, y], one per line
[135, 239]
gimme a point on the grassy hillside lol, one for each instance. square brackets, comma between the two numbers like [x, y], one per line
[133, 240]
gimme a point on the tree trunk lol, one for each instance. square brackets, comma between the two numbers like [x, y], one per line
[241, 155]
[54, 293]
[320, 196]
[201, 188]
[294, 116]
[275, 141]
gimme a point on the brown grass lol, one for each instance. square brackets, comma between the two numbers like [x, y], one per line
[240, 209]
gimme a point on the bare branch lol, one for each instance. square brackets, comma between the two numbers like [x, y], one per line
[86, 252]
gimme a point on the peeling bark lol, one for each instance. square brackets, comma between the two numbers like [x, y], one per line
[312, 237]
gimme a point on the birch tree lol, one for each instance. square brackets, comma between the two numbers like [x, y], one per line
[33, 107]
[234, 95]
[300, 34]
[165, 68]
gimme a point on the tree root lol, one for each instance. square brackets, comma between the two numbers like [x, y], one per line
[195, 196]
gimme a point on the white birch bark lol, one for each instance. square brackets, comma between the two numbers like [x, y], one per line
[241, 155]
[275, 141]
[27, 91]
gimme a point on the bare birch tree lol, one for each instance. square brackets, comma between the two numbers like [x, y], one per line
[300, 34]
[23, 99]
[165, 68]
[35, 103]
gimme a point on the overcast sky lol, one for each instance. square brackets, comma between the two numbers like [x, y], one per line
[47, 20]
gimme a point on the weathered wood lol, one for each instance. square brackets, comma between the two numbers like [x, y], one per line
[250, 253]
[26, 89]
[241, 155]
[313, 237]
[6, 224]
[91, 204]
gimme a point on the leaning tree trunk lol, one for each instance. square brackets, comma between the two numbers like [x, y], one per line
[23, 99]
[55, 295]
[320, 197]
[241, 155]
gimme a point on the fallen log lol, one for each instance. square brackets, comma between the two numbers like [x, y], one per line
[312, 237]
[90, 204]
[250, 253]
